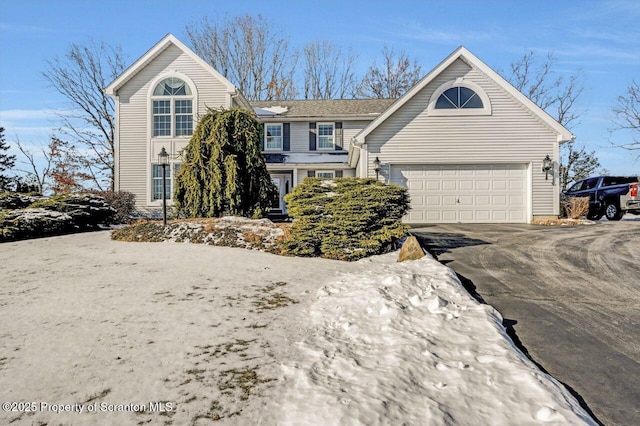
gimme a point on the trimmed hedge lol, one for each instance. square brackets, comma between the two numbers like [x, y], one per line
[345, 218]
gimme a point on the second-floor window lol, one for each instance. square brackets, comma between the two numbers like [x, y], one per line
[325, 136]
[172, 108]
[273, 137]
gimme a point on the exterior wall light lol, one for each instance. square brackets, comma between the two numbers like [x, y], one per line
[546, 166]
[376, 167]
[163, 160]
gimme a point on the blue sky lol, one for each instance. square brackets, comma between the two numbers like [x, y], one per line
[601, 38]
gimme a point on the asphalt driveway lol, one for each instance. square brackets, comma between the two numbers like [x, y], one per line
[571, 294]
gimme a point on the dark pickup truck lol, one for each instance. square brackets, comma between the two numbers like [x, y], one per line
[610, 196]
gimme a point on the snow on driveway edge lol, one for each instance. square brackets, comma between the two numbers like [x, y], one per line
[404, 343]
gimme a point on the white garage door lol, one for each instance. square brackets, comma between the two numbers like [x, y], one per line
[464, 193]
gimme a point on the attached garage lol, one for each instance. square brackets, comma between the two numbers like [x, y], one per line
[465, 193]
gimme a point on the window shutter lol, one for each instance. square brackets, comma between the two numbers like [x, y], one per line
[286, 136]
[338, 173]
[338, 136]
[312, 136]
[264, 135]
[311, 173]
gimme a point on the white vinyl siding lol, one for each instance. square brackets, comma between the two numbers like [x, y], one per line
[299, 132]
[511, 134]
[135, 125]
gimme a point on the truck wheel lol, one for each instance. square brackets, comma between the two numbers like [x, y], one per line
[613, 212]
[595, 215]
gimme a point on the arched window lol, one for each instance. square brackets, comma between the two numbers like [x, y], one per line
[459, 97]
[172, 108]
[172, 86]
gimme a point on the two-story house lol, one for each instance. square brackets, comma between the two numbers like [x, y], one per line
[468, 145]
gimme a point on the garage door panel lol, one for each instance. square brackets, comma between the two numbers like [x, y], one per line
[464, 193]
[482, 200]
[433, 200]
[483, 185]
[483, 216]
[449, 215]
[499, 185]
[499, 200]
[466, 185]
[516, 185]
[448, 200]
[449, 185]
[416, 184]
[465, 200]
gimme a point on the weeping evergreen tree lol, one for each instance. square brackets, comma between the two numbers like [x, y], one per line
[224, 172]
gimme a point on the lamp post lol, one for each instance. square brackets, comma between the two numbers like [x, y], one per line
[546, 166]
[163, 160]
[376, 167]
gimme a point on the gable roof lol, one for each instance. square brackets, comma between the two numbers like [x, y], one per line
[157, 49]
[469, 58]
[346, 108]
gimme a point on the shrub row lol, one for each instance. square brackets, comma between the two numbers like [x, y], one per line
[345, 218]
[23, 216]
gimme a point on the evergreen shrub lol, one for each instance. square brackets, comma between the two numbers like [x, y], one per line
[60, 214]
[345, 218]
[224, 172]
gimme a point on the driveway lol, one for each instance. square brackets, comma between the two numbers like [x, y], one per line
[571, 294]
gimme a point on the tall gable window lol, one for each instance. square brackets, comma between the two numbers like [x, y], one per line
[172, 108]
[459, 97]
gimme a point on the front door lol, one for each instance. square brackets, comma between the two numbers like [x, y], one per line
[283, 183]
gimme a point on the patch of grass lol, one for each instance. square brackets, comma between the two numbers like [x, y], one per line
[244, 380]
[99, 395]
[256, 326]
[272, 300]
[560, 222]
[151, 232]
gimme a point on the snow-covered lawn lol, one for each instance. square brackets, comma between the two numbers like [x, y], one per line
[194, 334]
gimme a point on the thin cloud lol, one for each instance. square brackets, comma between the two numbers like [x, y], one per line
[416, 31]
[24, 28]
[30, 114]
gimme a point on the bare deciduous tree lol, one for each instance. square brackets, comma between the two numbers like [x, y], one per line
[577, 164]
[540, 83]
[392, 79]
[627, 113]
[38, 169]
[248, 52]
[80, 76]
[328, 71]
[558, 96]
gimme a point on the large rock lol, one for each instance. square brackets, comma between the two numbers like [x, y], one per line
[411, 250]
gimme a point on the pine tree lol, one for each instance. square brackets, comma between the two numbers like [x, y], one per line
[6, 162]
[224, 171]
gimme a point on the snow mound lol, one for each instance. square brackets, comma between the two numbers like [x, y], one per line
[404, 343]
